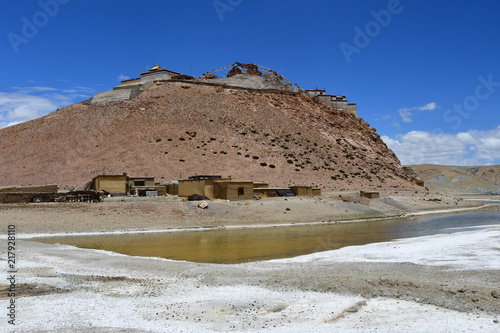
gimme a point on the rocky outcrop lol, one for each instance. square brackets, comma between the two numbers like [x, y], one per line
[208, 76]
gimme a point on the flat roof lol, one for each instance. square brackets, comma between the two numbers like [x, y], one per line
[159, 71]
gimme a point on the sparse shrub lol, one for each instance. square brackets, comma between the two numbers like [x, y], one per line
[182, 160]
[272, 166]
[263, 164]
[289, 161]
[255, 157]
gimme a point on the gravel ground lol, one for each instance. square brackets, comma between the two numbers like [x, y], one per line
[67, 289]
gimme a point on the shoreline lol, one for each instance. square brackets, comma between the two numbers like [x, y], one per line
[260, 226]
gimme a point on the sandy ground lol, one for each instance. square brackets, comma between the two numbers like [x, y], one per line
[443, 283]
[162, 213]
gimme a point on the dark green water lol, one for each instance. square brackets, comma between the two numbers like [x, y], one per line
[245, 245]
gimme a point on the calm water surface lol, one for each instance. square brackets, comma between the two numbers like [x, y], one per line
[245, 245]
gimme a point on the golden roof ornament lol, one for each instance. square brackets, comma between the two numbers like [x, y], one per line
[157, 67]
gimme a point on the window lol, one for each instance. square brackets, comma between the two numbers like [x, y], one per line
[241, 190]
[139, 183]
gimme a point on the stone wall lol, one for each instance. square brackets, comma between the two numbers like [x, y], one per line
[264, 82]
[112, 95]
[338, 102]
[150, 77]
[30, 189]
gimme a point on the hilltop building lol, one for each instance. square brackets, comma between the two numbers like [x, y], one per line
[338, 102]
[154, 74]
[130, 89]
[239, 75]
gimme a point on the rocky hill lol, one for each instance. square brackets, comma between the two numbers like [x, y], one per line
[460, 179]
[174, 129]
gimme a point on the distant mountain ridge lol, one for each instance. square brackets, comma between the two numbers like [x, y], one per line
[460, 179]
[177, 129]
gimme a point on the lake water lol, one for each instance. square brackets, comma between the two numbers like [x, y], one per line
[245, 245]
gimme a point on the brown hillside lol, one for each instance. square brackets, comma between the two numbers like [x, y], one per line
[460, 179]
[180, 127]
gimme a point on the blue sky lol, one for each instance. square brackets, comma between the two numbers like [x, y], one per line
[424, 73]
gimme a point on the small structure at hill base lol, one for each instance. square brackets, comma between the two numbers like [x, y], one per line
[123, 184]
[216, 187]
[369, 194]
[45, 193]
[271, 192]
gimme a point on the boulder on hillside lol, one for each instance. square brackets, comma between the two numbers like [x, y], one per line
[208, 76]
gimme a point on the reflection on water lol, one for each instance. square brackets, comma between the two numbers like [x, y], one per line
[244, 245]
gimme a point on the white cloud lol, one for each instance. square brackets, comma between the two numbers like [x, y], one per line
[84, 89]
[12, 123]
[30, 102]
[34, 89]
[19, 107]
[429, 106]
[466, 148]
[122, 77]
[407, 113]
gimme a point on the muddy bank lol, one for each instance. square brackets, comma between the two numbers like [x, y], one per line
[129, 214]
